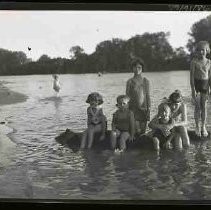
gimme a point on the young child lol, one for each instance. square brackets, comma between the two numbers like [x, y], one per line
[162, 126]
[96, 121]
[56, 84]
[199, 81]
[123, 124]
[138, 90]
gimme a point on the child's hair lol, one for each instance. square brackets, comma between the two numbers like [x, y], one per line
[120, 98]
[163, 107]
[137, 61]
[55, 76]
[201, 44]
[95, 96]
[175, 97]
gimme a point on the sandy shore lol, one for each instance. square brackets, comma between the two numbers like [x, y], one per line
[6, 145]
[10, 97]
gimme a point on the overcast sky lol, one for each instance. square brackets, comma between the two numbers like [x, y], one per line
[54, 32]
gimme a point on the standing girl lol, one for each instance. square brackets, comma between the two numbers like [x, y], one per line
[199, 81]
[56, 84]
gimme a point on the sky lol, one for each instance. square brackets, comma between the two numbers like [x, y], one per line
[55, 32]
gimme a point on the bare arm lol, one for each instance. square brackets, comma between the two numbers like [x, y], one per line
[192, 71]
[132, 125]
[148, 93]
[184, 119]
[89, 117]
[128, 88]
[153, 124]
[113, 124]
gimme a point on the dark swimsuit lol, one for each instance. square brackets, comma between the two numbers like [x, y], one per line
[201, 85]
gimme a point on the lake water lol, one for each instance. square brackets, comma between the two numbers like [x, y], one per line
[41, 168]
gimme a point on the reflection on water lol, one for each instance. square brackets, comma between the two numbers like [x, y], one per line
[41, 168]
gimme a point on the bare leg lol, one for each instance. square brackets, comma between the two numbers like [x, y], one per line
[113, 139]
[92, 130]
[204, 114]
[90, 135]
[143, 126]
[124, 136]
[197, 114]
[184, 135]
[156, 143]
[83, 140]
[177, 142]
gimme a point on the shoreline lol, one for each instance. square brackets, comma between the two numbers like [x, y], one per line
[7, 97]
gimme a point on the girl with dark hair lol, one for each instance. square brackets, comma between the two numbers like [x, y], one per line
[138, 90]
[96, 121]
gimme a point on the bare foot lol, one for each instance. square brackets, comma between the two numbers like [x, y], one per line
[204, 132]
[198, 132]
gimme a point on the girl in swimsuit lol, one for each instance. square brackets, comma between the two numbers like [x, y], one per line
[96, 121]
[199, 81]
[123, 124]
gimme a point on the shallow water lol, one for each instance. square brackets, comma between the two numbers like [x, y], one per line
[43, 169]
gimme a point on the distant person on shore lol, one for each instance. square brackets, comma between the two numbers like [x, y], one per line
[96, 120]
[138, 90]
[123, 124]
[162, 128]
[199, 80]
[56, 84]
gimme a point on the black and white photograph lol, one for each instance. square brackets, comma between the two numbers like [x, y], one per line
[105, 105]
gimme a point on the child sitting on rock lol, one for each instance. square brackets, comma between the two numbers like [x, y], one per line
[96, 121]
[162, 126]
[123, 124]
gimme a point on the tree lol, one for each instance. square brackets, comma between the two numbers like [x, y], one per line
[200, 30]
[75, 52]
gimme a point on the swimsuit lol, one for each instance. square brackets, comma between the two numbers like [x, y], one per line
[201, 85]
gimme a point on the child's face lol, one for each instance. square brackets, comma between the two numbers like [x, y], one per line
[202, 51]
[94, 103]
[137, 69]
[123, 104]
[165, 114]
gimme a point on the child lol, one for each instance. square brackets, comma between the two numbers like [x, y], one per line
[56, 84]
[138, 91]
[122, 124]
[199, 77]
[162, 126]
[96, 121]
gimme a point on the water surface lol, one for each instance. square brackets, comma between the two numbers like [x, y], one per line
[41, 168]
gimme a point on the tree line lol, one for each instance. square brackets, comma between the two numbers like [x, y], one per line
[112, 55]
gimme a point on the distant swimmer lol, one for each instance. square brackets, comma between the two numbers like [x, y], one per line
[29, 48]
[56, 84]
[100, 74]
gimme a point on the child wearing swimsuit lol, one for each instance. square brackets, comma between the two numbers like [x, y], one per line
[199, 81]
[96, 121]
[123, 124]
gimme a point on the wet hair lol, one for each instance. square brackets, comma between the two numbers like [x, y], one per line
[201, 44]
[163, 107]
[137, 61]
[120, 98]
[175, 97]
[94, 96]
